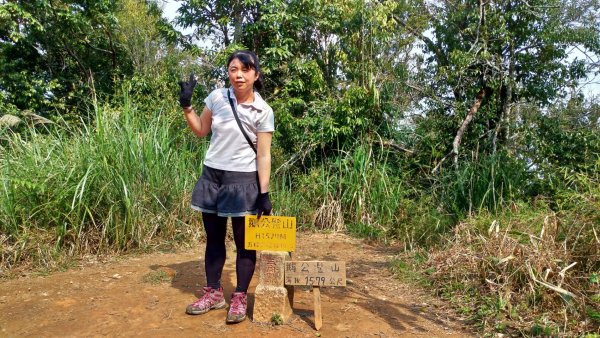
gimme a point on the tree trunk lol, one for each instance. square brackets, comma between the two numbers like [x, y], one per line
[461, 131]
[504, 119]
[237, 22]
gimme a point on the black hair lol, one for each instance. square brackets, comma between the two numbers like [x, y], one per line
[250, 60]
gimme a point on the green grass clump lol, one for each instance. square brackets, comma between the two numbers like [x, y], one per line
[117, 184]
[156, 277]
[276, 319]
[407, 267]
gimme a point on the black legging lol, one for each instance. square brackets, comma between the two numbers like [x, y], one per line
[214, 258]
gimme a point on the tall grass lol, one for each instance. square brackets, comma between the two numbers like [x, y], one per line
[117, 184]
[488, 183]
[371, 193]
[379, 195]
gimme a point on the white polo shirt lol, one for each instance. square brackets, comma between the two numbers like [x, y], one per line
[228, 149]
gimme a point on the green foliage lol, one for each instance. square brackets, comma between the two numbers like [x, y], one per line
[289, 201]
[217, 20]
[538, 330]
[276, 319]
[594, 314]
[328, 67]
[407, 267]
[56, 57]
[517, 51]
[337, 71]
[65, 50]
[563, 143]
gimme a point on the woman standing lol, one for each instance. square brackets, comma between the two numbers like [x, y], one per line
[235, 175]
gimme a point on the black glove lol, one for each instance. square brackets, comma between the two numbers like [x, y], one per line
[263, 205]
[187, 89]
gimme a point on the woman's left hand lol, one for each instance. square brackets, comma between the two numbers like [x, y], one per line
[263, 205]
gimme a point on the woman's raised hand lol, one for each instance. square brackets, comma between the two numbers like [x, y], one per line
[187, 89]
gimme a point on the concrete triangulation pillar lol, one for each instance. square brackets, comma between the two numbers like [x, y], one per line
[271, 298]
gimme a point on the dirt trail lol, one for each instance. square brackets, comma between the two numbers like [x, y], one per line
[114, 299]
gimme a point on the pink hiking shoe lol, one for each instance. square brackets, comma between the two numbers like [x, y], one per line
[237, 309]
[212, 299]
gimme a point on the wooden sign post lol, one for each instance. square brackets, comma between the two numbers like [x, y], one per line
[316, 274]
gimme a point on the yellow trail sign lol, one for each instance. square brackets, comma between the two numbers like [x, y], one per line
[273, 233]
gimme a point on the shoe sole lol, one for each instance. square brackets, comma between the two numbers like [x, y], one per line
[235, 321]
[214, 307]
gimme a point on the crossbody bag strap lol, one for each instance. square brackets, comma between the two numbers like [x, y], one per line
[237, 119]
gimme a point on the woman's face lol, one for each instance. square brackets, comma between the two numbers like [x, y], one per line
[241, 77]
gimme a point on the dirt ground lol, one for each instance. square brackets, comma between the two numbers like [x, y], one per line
[120, 298]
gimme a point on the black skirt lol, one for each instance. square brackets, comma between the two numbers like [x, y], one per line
[226, 193]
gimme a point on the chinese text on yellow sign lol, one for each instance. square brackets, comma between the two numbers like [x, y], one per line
[274, 233]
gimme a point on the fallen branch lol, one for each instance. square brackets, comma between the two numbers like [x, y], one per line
[435, 169]
[430, 96]
[295, 158]
[549, 286]
[396, 146]
[562, 272]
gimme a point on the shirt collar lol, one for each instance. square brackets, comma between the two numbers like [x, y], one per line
[258, 104]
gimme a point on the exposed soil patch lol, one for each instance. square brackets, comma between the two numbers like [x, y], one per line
[146, 295]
